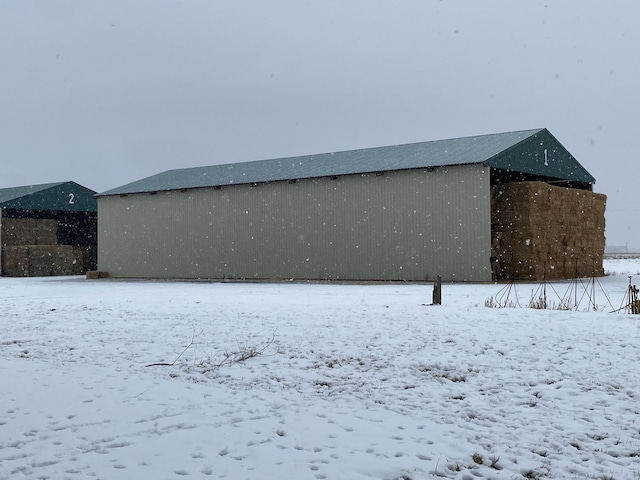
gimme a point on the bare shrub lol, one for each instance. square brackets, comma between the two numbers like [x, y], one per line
[243, 351]
[539, 303]
[491, 302]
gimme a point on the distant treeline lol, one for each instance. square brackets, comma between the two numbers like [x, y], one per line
[621, 249]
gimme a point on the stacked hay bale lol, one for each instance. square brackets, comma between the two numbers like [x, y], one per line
[29, 248]
[29, 231]
[541, 231]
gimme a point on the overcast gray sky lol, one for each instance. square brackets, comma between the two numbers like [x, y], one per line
[105, 92]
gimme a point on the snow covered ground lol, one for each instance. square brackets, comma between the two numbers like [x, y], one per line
[343, 381]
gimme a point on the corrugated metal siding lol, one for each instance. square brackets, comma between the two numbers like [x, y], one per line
[1, 259]
[407, 225]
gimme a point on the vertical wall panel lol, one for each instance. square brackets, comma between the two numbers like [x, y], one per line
[1, 244]
[405, 225]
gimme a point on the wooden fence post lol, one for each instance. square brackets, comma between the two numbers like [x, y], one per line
[437, 291]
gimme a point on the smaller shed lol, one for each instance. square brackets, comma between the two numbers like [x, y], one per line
[47, 229]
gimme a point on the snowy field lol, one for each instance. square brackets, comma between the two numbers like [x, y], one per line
[317, 381]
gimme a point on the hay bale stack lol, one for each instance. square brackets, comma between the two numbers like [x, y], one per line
[541, 231]
[39, 260]
[29, 231]
[30, 248]
[15, 261]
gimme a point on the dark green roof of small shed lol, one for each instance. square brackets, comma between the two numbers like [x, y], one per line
[61, 196]
[522, 151]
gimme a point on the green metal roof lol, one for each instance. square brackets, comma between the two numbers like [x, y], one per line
[521, 151]
[62, 196]
[542, 155]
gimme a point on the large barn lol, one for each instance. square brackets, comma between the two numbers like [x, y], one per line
[510, 205]
[47, 229]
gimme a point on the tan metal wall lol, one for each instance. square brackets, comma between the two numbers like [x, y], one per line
[407, 225]
[1, 244]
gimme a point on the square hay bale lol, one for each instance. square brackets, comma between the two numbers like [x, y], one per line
[15, 261]
[95, 275]
[81, 260]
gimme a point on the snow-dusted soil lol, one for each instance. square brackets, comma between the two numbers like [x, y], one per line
[344, 381]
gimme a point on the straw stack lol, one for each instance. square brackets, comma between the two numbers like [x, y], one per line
[541, 231]
[29, 249]
[29, 231]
